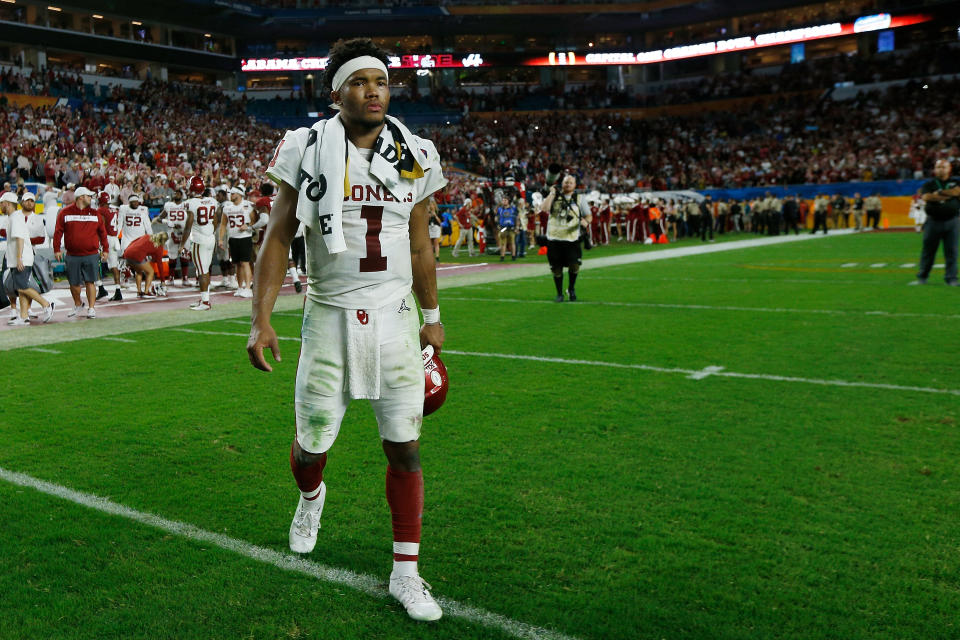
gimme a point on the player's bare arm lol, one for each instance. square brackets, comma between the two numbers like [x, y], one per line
[186, 232]
[424, 273]
[269, 274]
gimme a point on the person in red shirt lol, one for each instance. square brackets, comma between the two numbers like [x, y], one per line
[465, 222]
[80, 229]
[136, 256]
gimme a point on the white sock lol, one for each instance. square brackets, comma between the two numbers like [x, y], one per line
[99, 283]
[293, 272]
[205, 296]
[405, 567]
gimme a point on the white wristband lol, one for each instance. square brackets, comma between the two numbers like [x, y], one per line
[431, 316]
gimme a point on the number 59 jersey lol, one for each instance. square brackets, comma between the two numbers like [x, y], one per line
[375, 268]
[204, 212]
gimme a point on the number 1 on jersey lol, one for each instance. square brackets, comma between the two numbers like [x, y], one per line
[374, 260]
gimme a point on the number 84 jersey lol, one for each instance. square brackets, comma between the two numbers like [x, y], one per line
[376, 268]
[204, 214]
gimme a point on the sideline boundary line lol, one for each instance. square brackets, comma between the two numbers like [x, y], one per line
[693, 374]
[286, 561]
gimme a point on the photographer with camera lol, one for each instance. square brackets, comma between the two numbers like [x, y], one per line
[507, 223]
[568, 214]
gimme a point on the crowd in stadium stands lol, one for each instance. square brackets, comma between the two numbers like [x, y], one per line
[164, 131]
[154, 136]
[885, 134]
[804, 76]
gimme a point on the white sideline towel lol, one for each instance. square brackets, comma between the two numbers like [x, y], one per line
[363, 353]
[324, 174]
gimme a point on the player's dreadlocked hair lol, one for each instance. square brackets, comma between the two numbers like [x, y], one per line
[345, 50]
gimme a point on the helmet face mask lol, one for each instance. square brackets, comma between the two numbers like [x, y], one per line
[436, 381]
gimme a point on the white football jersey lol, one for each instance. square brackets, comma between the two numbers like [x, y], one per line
[176, 215]
[204, 212]
[134, 223]
[237, 215]
[375, 268]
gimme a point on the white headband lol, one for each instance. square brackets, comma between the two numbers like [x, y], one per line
[351, 66]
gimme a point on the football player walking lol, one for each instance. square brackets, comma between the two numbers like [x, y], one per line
[361, 336]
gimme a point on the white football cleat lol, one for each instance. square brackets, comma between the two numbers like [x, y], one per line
[306, 522]
[76, 310]
[91, 312]
[413, 593]
[200, 306]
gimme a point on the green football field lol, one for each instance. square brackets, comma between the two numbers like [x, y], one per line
[754, 443]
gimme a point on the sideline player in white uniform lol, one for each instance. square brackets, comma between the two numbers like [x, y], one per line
[237, 216]
[203, 238]
[110, 214]
[134, 221]
[360, 327]
[178, 219]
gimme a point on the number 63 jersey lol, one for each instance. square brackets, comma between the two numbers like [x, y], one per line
[376, 268]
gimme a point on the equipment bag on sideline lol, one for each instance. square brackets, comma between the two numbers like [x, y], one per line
[41, 273]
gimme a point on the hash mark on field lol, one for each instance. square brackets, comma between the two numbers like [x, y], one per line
[703, 373]
[715, 371]
[286, 561]
[908, 265]
[847, 265]
[877, 265]
[116, 339]
[54, 351]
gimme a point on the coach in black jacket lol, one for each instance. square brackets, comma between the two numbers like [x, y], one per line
[942, 195]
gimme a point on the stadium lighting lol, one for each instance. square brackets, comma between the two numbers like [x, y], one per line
[742, 43]
[97, 16]
[54, 8]
[136, 22]
[9, 1]
[207, 35]
[411, 61]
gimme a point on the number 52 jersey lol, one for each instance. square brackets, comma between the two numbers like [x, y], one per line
[376, 268]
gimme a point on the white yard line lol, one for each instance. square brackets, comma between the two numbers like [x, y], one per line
[115, 339]
[463, 266]
[367, 584]
[707, 307]
[693, 374]
[700, 374]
